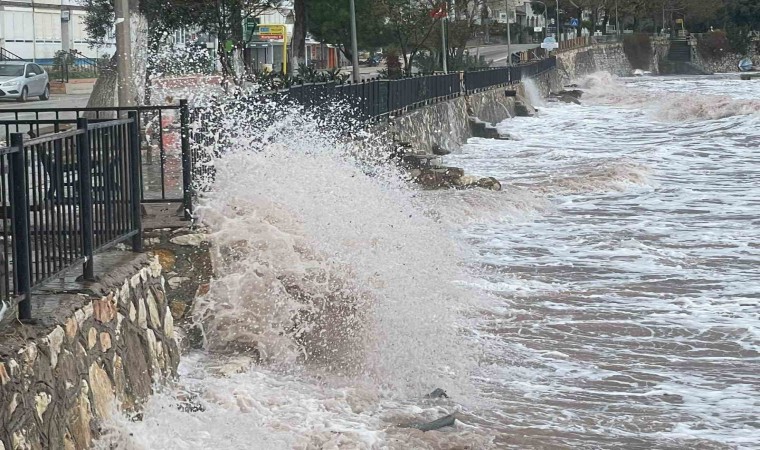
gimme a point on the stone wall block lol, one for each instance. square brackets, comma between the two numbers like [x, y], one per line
[120, 381]
[132, 312]
[153, 353]
[124, 295]
[79, 417]
[136, 367]
[55, 341]
[102, 391]
[168, 324]
[87, 309]
[104, 309]
[5, 377]
[142, 314]
[41, 402]
[119, 320]
[155, 267]
[92, 338]
[155, 319]
[135, 281]
[12, 404]
[68, 376]
[71, 329]
[105, 341]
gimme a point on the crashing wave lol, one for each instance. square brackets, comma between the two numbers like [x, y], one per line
[606, 89]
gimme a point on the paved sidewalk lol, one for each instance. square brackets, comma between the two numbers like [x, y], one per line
[56, 101]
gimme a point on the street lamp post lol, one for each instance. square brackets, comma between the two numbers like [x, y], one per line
[354, 45]
[545, 20]
[509, 37]
[559, 38]
[444, 46]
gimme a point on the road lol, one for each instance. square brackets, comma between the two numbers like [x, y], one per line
[56, 101]
[498, 53]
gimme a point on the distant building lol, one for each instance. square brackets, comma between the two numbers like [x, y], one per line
[37, 29]
[262, 53]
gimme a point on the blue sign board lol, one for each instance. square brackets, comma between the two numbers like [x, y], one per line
[574, 23]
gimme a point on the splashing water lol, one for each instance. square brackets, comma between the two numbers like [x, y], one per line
[324, 270]
[671, 104]
[534, 94]
[606, 299]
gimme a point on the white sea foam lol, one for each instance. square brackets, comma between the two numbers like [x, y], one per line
[669, 105]
[606, 299]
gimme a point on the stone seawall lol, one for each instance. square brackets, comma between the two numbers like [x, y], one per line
[95, 348]
[448, 125]
[576, 63]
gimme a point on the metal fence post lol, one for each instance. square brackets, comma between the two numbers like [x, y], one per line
[85, 199]
[187, 161]
[20, 207]
[135, 181]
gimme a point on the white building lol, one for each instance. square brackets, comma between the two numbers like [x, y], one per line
[37, 29]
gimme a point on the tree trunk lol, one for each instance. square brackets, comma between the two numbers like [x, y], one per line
[299, 35]
[104, 91]
[139, 34]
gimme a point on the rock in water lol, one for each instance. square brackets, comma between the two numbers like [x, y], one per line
[440, 151]
[438, 393]
[445, 421]
[490, 183]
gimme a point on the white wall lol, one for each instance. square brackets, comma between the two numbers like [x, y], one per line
[38, 36]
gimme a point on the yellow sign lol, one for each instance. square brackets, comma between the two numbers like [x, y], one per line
[679, 20]
[276, 33]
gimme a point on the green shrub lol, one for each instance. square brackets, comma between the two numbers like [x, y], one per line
[739, 39]
[394, 70]
[638, 50]
[713, 45]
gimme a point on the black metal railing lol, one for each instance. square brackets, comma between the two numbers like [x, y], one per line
[186, 142]
[66, 196]
[6, 55]
[486, 79]
[160, 140]
[73, 65]
[372, 99]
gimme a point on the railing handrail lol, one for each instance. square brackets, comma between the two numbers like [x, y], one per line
[57, 226]
[6, 55]
[91, 109]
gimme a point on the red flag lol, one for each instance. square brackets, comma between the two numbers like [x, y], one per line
[439, 12]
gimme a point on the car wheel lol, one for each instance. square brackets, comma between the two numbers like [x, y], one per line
[46, 95]
[24, 94]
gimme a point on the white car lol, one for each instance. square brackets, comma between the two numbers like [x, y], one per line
[20, 80]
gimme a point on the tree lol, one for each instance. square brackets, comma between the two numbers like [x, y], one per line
[328, 23]
[299, 33]
[410, 24]
[223, 18]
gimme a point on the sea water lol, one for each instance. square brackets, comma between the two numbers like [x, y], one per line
[607, 298]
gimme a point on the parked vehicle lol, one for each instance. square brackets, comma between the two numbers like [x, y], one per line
[20, 80]
[373, 61]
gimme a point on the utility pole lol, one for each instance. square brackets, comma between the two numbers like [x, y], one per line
[509, 36]
[617, 23]
[354, 45]
[444, 46]
[123, 52]
[559, 38]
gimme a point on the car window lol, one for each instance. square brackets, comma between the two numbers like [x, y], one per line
[29, 70]
[11, 70]
[37, 69]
